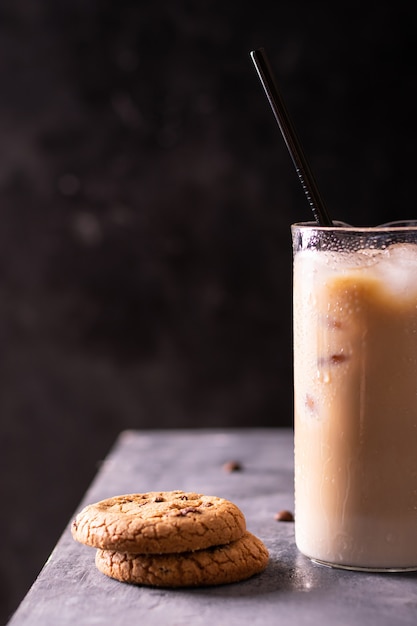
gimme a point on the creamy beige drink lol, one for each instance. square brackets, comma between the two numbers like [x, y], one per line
[355, 377]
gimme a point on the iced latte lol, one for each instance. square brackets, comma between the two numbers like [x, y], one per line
[355, 379]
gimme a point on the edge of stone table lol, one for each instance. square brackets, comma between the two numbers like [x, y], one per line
[69, 589]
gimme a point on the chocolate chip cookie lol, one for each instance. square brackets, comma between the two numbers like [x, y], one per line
[159, 523]
[217, 565]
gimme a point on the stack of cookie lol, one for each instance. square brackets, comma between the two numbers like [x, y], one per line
[170, 539]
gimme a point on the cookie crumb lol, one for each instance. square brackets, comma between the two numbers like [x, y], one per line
[232, 466]
[284, 516]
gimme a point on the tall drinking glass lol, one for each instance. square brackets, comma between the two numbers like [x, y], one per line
[355, 395]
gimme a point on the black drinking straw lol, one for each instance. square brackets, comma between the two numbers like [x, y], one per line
[299, 159]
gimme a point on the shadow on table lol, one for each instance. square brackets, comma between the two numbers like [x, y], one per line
[301, 576]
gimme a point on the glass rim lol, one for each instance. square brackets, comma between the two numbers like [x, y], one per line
[340, 227]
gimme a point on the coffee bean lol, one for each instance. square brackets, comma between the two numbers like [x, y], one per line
[284, 516]
[232, 466]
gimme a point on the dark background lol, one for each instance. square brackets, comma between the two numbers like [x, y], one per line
[145, 203]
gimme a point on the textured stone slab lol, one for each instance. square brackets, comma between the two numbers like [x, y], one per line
[292, 590]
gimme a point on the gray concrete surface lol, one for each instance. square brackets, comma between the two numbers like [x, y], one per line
[292, 590]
